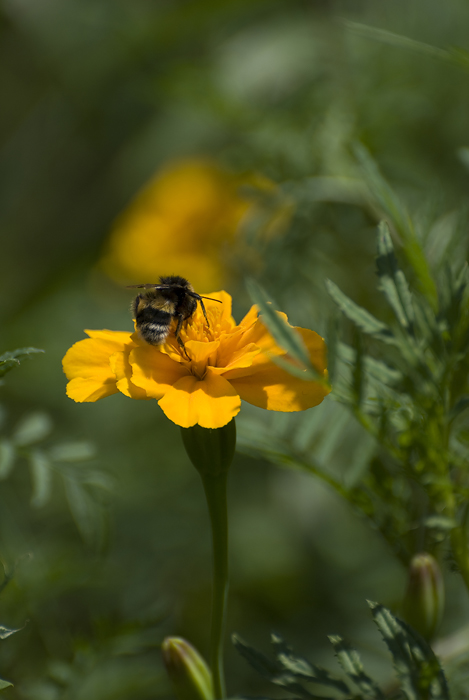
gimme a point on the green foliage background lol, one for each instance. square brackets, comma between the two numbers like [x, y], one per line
[103, 527]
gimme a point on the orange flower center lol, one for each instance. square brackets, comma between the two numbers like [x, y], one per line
[196, 328]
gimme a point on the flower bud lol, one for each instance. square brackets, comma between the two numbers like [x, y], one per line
[211, 450]
[190, 676]
[424, 599]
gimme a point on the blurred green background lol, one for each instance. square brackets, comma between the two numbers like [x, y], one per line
[113, 552]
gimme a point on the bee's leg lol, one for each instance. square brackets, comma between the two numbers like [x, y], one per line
[178, 337]
[205, 313]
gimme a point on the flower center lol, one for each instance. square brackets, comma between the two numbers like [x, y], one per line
[196, 328]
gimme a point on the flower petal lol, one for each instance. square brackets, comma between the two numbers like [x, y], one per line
[120, 365]
[266, 385]
[86, 364]
[84, 389]
[250, 318]
[154, 371]
[276, 390]
[90, 357]
[243, 357]
[118, 337]
[211, 402]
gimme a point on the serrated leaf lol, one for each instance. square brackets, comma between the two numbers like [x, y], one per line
[284, 335]
[332, 345]
[400, 218]
[259, 662]
[10, 360]
[392, 280]
[32, 428]
[7, 632]
[375, 368]
[267, 668]
[358, 373]
[350, 661]
[279, 644]
[41, 478]
[7, 458]
[418, 668]
[360, 316]
[360, 459]
[302, 669]
[332, 437]
[72, 452]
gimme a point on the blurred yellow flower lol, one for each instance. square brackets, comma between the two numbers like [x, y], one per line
[228, 362]
[180, 222]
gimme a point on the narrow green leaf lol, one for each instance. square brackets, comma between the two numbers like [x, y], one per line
[440, 522]
[415, 662]
[375, 368]
[267, 668]
[397, 644]
[332, 438]
[84, 511]
[360, 459]
[332, 340]
[72, 452]
[279, 644]
[392, 280]
[302, 669]
[459, 407]
[398, 40]
[7, 631]
[7, 457]
[359, 316]
[350, 661]
[32, 428]
[5, 684]
[400, 218]
[41, 477]
[358, 373]
[259, 662]
[284, 335]
[13, 358]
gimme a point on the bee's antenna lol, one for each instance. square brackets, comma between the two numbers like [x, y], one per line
[210, 299]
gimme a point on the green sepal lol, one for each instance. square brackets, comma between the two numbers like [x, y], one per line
[424, 599]
[211, 451]
[189, 674]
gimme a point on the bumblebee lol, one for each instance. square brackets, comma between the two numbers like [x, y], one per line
[171, 298]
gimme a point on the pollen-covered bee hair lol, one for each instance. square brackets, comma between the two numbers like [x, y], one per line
[154, 310]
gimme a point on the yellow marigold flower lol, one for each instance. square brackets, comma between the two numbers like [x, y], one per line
[228, 362]
[186, 219]
[179, 221]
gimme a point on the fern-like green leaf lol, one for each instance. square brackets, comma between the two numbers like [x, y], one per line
[353, 667]
[360, 316]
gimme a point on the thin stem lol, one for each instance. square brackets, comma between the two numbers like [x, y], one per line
[215, 493]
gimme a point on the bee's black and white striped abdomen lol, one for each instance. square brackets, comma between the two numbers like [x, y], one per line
[153, 324]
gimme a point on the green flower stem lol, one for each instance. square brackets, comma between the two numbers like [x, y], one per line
[211, 451]
[215, 492]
